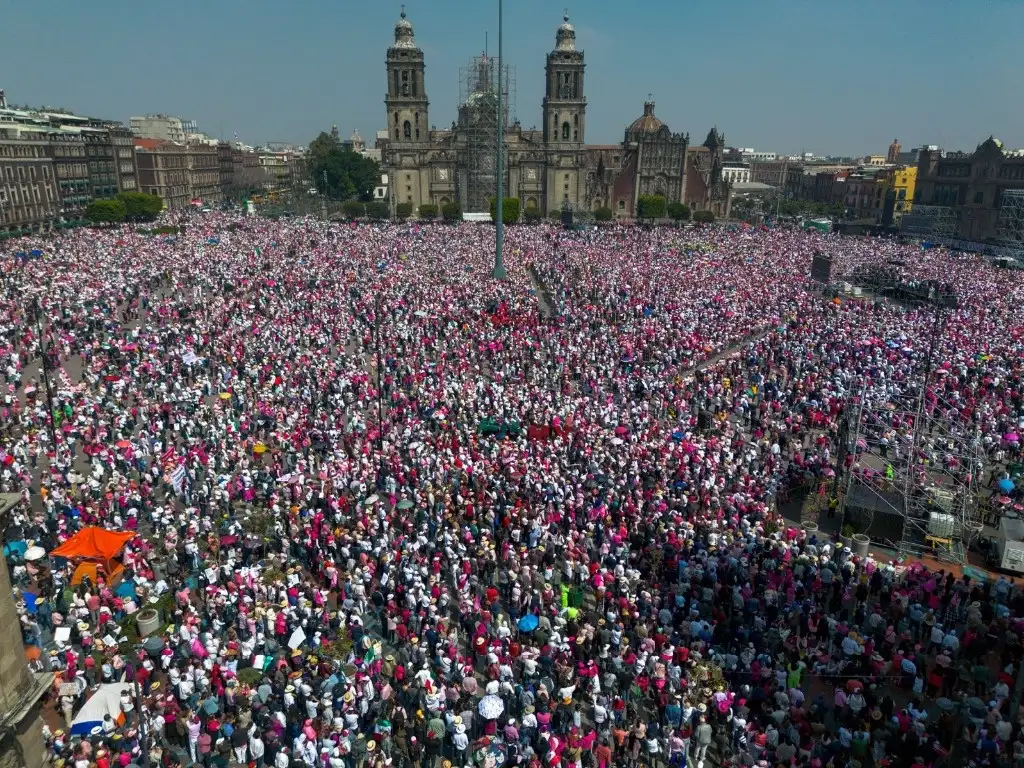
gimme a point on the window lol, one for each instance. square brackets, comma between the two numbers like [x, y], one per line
[565, 131]
[622, 205]
[407, 129]
[979, 197]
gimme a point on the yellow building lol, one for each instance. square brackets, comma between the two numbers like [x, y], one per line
[901, 181]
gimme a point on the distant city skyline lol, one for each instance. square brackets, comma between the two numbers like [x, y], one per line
[787, 77]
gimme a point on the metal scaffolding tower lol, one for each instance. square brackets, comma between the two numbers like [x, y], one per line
[930, 221]
[914, 481]
[479, 86]
[1010, 228]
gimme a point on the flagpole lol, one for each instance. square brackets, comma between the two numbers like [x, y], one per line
[499, 263]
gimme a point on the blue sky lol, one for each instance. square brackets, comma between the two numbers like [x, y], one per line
[827, 76]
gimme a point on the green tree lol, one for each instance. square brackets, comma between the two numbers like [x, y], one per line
[403, 211]
[377, 209]
[603, 214]
[532, 216]
[509, 210]
[353, 209]
[340, 173]
[105, 211]
[451, 212]
[140, 206]
[428, 211]
[678, 212]
[651, 207]
[703, 217]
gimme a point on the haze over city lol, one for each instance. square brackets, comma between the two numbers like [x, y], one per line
[790, 76]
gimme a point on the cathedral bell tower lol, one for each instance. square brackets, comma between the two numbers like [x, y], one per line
[565, 107]
[407, 96]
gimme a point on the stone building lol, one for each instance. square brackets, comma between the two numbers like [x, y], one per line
[29, 200]
[547, 168]
[163, 171]
[974, 188]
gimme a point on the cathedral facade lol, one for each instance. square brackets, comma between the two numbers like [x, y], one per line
[547, 169]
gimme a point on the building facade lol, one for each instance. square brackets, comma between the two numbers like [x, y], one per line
[204, 173]
[71, 166]
[102, 163]
[548, 168]
[28, 191]
[970, 184]
[159, 127]
[164, 171]
[125, 165]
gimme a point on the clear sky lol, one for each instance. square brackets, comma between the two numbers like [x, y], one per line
[828, 76]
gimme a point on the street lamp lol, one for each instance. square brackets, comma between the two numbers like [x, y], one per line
[499, 263]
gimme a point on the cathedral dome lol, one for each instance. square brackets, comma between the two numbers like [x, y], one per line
[647, 122]
[565, 38]
[404, 37]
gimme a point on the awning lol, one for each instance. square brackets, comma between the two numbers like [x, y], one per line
[94, 544]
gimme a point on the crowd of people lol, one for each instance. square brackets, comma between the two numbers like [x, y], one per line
[391, 511]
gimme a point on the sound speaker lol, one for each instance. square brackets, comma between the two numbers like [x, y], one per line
[567, 217]
[821, 268]
[703, 421]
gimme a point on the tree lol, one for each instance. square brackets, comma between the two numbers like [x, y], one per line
[603, 214]
[403, 211]
[340, 173]
[509, 210]
[377, 209]
[678, 212]
[140, 206]
[353, 209]
[428, 211]
[532, 216]
[651, 207]
[451, 212]
[703, 217]
[105, 211]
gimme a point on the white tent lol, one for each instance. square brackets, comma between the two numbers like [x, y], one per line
[106, 701]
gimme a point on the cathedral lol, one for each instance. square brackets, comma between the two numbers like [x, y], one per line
[547, 169]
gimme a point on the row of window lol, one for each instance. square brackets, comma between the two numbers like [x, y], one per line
[26, 194]
[14, 214]
[65, 150]
[24, 174]
[22, 150]
[72, 170]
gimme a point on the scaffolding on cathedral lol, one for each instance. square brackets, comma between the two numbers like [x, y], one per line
[479, 86]
[1010, 228]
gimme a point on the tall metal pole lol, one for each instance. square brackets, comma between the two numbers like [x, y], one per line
[499, 263]
[46, 373]
[380, 394]
[323, 197]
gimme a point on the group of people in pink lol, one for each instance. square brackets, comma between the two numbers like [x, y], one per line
[394, 512]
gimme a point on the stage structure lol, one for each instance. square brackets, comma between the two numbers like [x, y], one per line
[930, 221]
[479, 86]
[914, 481]
[1010, 231]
